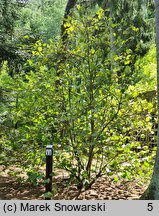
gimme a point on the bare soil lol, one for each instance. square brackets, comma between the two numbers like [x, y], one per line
[103, 189]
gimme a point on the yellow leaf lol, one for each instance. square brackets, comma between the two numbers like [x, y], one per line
[147, 119]
[40, 49]
[78, 7]
[126, 62]
[66, 25]
[135, 29]
[26, 37]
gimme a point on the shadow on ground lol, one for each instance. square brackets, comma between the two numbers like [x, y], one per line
[11, 189]
[103, 189]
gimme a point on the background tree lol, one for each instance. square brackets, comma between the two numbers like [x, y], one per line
[41, 20]
[8, 49]
[152, 192]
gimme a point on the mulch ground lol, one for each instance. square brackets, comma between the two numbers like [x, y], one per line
[103, 189]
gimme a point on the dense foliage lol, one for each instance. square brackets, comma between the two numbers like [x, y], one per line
[92, 96]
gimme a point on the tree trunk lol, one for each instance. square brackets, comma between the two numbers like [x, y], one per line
[70, 5]
[152, 192]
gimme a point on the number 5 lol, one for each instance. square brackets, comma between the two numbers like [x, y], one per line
[150, 206]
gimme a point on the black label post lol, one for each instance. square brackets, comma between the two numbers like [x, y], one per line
[49, 164]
